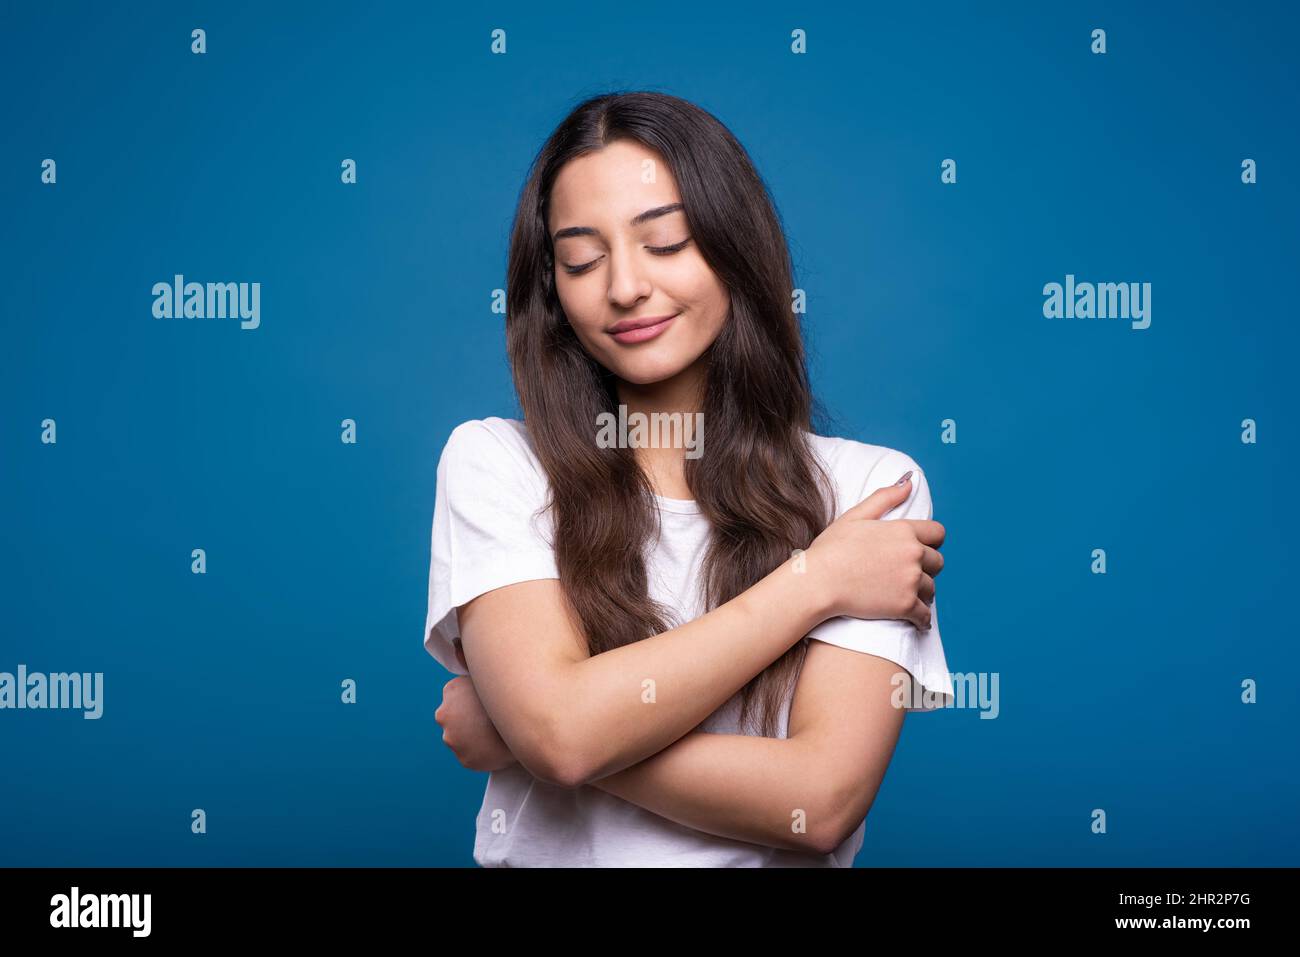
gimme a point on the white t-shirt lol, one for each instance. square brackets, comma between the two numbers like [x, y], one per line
[487, 533]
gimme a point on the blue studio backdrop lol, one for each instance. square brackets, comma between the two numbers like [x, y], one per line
[937, 168]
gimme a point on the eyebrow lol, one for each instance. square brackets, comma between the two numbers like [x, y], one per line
[636, 220]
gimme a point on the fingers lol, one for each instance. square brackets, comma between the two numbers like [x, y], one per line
[881, 501]
[931, 561]
[927, 531]
[919, 615]
[925, 590]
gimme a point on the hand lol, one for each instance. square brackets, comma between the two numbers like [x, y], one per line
[873, 568]
[467, 729]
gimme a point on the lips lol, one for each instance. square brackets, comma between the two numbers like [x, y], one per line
[639, 330]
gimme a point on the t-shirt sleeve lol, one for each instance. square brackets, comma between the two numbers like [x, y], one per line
[489, 529]
[920, 653]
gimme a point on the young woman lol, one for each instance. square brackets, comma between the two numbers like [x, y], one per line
[695, 653]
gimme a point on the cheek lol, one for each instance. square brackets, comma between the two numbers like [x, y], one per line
[583, 312]
[702, 290]
[711, 302]
[595, 342]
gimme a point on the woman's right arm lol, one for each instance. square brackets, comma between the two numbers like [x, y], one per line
[569, 718]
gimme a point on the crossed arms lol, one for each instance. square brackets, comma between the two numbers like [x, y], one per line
[572, 720]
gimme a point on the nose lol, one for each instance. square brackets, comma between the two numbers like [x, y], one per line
[628, 281]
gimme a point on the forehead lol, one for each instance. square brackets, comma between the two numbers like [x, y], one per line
[610, 186]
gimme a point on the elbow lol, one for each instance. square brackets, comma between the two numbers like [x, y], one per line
[549, 737]
[550, 756]
[568, 764]
[842, 812]
[566, 776]
[826, 839]
[557, 769]
[829, 841]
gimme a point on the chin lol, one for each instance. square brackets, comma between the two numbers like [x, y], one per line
[649, 370]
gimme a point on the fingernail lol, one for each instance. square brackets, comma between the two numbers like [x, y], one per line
[906, 476]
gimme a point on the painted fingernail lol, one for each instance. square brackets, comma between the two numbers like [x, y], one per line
[906, 475]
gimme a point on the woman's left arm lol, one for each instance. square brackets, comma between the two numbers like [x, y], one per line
[805, 792]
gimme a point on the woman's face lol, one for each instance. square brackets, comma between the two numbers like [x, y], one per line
[623, 254]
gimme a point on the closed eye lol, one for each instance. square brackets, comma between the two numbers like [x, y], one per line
[669, 250]
[657, 250]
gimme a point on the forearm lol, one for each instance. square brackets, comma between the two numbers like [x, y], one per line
[769, 791]
[625, 705]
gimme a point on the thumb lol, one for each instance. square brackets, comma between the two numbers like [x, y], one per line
[882, 499]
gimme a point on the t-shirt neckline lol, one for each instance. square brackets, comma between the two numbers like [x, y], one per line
[684, 506]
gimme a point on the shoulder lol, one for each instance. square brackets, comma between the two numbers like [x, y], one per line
[492, 436]
[493, 445]
[859, 468]
[854, 461]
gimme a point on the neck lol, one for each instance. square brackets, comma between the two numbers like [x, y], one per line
[684, 392]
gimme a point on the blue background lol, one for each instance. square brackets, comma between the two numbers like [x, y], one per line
[222, 691]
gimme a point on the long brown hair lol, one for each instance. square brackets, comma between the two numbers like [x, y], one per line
[759, 485]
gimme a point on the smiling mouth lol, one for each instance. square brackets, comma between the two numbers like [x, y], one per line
[640, 333]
